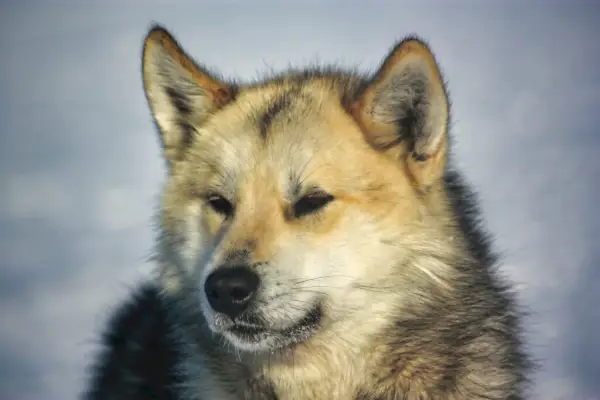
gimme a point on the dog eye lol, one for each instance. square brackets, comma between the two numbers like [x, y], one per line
[220, 204]
[311, 203]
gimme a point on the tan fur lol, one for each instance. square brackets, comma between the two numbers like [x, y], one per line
[384, 250]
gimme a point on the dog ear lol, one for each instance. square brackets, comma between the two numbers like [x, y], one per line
[404, 111]
[181, 94]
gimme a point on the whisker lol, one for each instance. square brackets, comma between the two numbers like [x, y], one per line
[322, 277]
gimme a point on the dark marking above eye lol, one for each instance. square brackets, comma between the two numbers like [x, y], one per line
[280, 104]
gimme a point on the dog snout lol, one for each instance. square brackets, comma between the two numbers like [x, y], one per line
[230, 290]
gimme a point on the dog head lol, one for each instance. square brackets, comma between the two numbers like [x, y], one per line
[289, 200]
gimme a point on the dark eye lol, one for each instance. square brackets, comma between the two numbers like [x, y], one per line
[311, 203]
[220, 204]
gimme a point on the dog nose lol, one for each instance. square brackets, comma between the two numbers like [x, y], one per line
[230, 290]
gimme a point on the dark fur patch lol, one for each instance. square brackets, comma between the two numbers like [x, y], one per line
[405, 97]
[137, 360]
[187, 132]
[179, 100]
[276, 107]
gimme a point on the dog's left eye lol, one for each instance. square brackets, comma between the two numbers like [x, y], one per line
[311, 203]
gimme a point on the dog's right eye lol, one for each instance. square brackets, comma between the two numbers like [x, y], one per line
[220, 204]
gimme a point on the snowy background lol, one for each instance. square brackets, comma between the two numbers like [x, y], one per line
[80, 169]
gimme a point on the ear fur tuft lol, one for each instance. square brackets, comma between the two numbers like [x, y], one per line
[181, 94]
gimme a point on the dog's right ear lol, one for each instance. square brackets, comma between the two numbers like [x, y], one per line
[404, 111]
[180, 93]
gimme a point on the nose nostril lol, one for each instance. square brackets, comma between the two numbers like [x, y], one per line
[213, 294]
[239, 293]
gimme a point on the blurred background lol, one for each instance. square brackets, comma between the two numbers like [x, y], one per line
[80, 170]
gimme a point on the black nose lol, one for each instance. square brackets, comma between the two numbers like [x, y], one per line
[230, 290]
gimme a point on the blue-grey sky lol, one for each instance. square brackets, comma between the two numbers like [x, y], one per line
[80, 169]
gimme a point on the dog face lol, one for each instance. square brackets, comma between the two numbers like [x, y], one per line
[288, 201]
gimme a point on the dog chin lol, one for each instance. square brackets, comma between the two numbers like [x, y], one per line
[260, 337]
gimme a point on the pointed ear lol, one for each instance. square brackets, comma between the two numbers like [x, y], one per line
[404, 111]
[180, 93]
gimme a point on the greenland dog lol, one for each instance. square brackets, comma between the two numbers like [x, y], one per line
[314, 243]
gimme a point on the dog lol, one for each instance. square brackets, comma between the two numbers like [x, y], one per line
[314, 242]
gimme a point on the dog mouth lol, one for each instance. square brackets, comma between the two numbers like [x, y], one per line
[254, 336]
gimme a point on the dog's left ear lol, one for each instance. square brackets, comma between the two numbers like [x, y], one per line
[404, 111]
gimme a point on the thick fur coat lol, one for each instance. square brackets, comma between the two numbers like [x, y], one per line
[314, 243]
